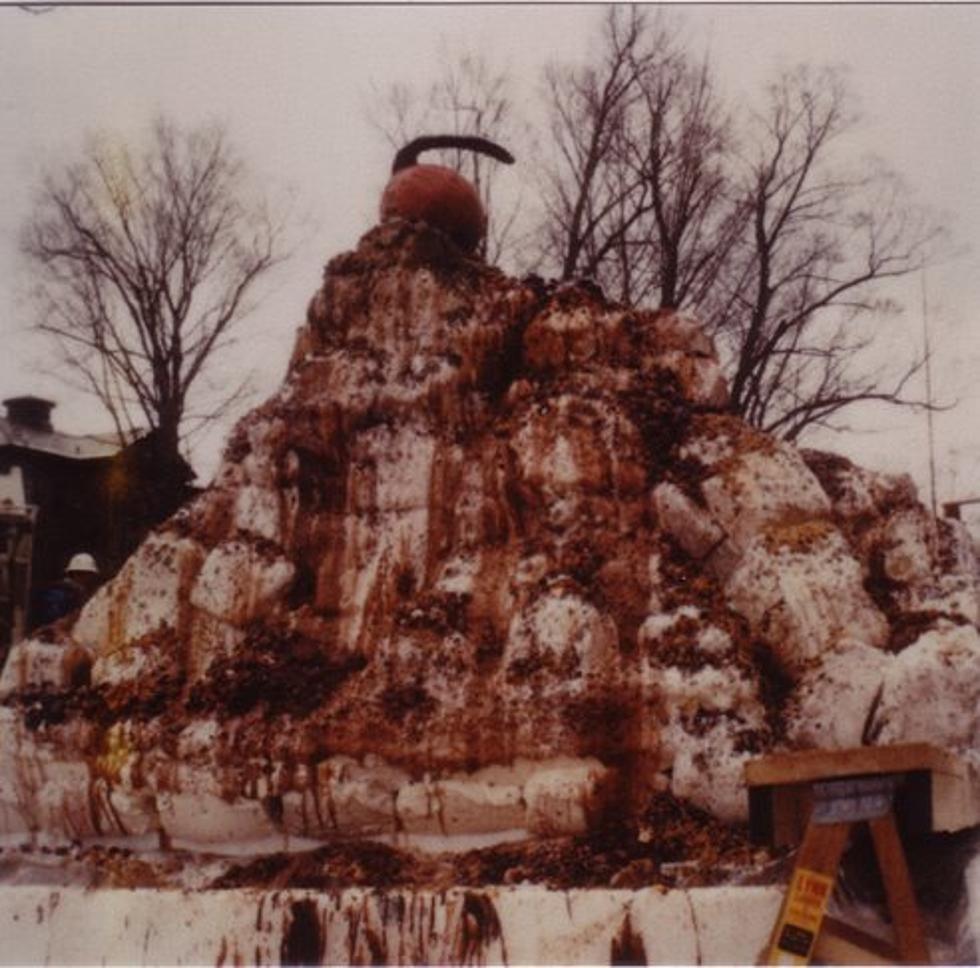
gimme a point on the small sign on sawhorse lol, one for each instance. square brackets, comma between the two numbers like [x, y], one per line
[814, 798]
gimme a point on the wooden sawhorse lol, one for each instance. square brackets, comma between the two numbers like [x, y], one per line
[814, 798]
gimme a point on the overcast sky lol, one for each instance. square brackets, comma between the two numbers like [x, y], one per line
[293, 86]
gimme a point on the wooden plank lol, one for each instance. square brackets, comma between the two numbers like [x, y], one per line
[902, 906]
[840, 943]
[778, 816]
[926, 801]
[807, 765]
[791, 808]
[802, 911]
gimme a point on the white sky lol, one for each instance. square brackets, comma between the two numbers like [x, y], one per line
[293, 84]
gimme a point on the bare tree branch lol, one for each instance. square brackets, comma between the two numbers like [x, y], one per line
[822, 241]
[782, 250]
[640, 197]
[145, 261]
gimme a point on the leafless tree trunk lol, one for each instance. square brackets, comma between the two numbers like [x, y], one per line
[145, 263]
[681, 149]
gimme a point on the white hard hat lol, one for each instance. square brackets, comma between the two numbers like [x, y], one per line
[83, 562]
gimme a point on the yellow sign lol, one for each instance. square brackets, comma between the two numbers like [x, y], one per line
[803, 911]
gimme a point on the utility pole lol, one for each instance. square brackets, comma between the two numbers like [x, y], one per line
[929, 418]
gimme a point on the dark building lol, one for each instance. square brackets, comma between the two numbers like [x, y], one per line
[16, 540]
[92, 493]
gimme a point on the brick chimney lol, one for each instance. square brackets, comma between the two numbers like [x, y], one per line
[28, 411]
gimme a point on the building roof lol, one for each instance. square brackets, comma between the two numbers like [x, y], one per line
[81, 447]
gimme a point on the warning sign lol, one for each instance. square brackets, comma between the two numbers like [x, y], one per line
[803, 911]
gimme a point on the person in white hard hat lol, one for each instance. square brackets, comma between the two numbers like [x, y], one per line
[72, 591]
[82, 568]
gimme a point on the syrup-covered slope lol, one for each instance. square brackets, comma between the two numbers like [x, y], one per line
[493, 562]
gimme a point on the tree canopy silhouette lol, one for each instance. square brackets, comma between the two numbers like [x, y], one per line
[763, 225]
[146, 259]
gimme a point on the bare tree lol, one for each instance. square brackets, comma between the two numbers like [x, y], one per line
[146, 261]
[680, 147]
[639, 197]
[779, 248]
[590, 197]
[797, 295]
[468, 98]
